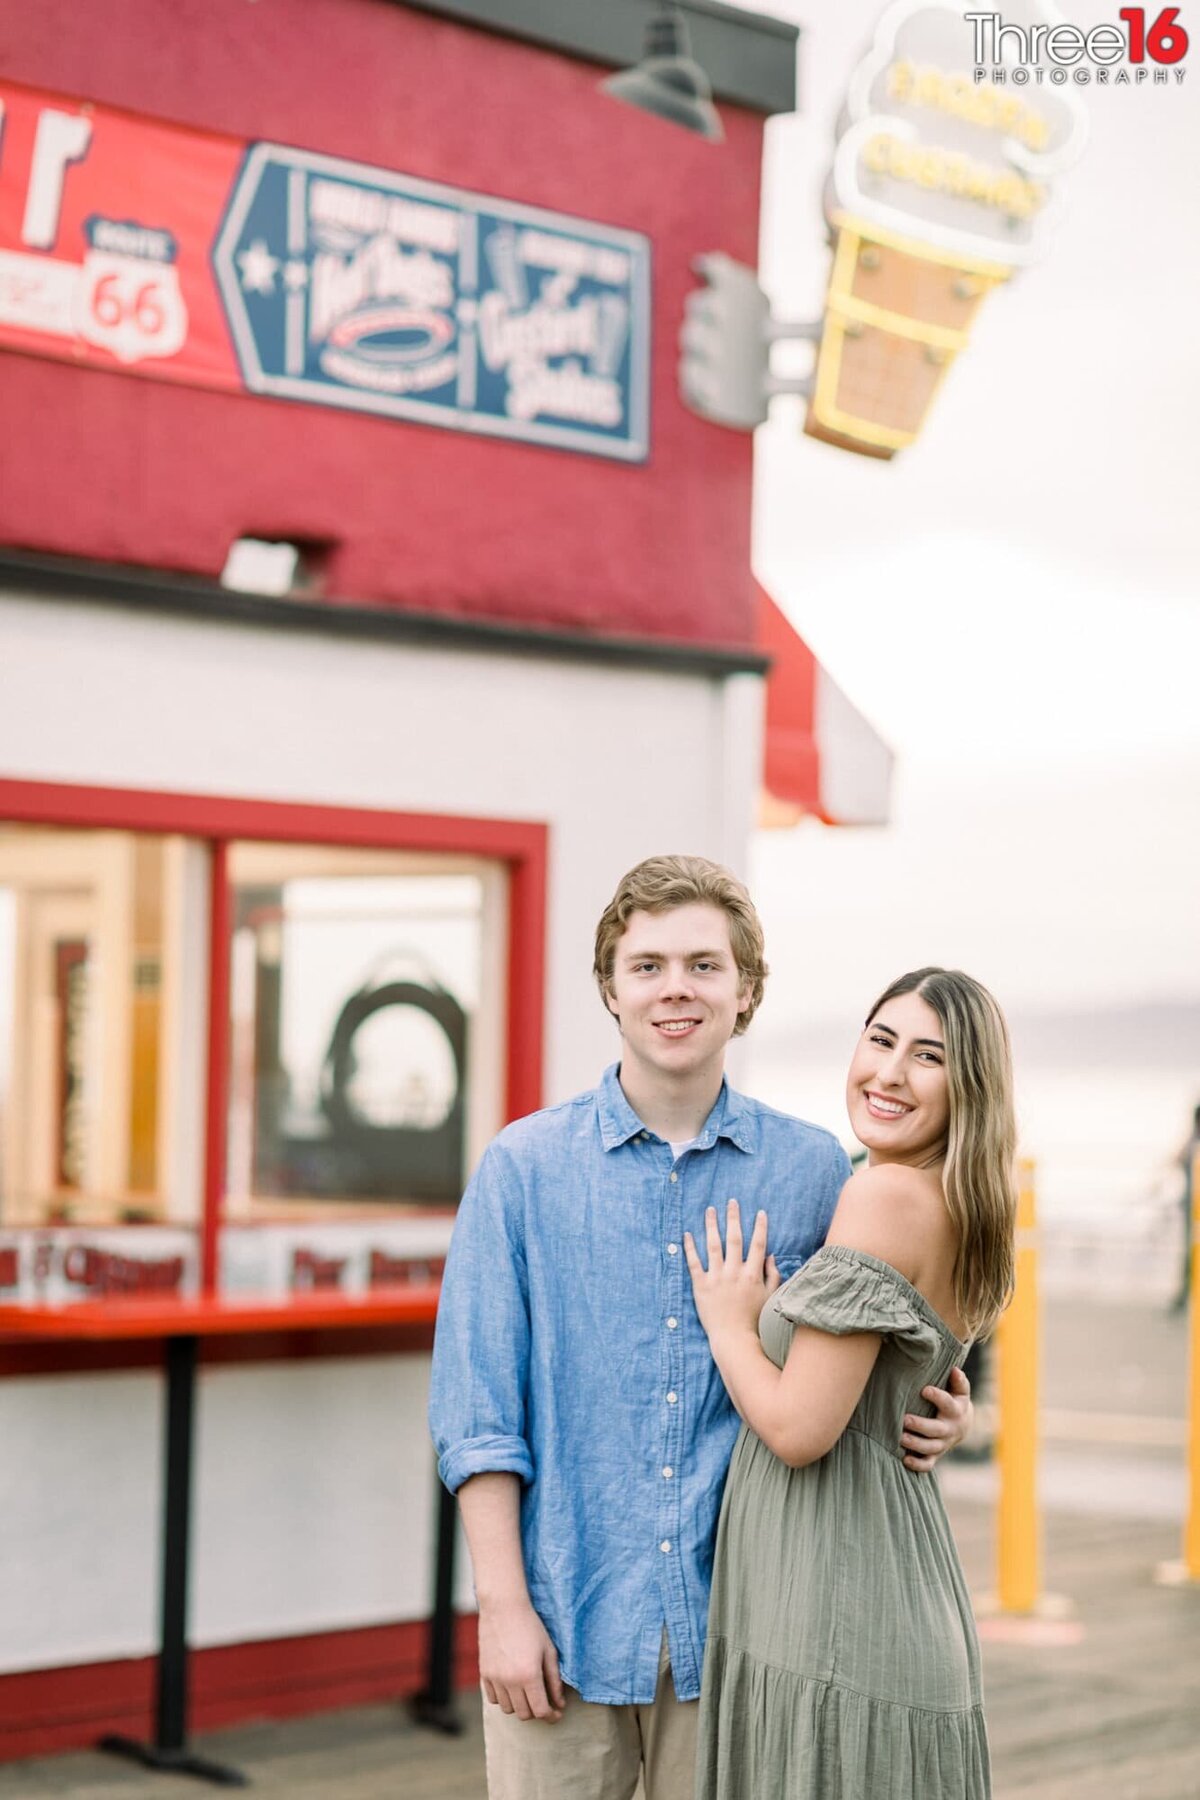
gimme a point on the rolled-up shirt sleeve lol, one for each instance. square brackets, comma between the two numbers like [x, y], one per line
[481, 1345]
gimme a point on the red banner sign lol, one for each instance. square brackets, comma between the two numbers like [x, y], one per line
[105, 226]
[130, 244]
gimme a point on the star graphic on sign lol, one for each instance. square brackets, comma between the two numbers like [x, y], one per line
[258, 268]
[295, 274]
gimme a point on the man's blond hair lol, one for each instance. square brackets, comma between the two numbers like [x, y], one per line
[662, 883]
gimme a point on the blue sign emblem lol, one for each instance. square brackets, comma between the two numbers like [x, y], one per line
[348, 286]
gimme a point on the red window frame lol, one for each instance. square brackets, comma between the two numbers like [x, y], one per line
[522, 845]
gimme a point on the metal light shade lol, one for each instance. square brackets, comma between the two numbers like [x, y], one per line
[668, 82]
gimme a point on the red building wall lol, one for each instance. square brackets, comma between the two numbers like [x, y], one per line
[112, 467]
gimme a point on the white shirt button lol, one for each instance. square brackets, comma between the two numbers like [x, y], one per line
[668, 1471]
[645, 1136]
[672, 1249]
[672, 1324]
[665, 1546]
[674, 1176]
[672, 1397]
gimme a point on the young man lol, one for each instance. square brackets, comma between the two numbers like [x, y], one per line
[576, 1409]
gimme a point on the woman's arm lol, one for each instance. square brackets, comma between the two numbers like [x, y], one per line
[884, 1211]
[801, 1410]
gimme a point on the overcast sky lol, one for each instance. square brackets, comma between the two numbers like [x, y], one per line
[1013, 600]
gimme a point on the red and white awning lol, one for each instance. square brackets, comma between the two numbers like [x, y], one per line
[821, 756]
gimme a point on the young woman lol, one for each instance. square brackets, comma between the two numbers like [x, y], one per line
[842, 1662]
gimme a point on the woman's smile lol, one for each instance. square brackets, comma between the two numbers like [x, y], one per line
[881, 1107]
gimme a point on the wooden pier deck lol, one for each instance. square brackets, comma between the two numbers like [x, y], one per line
[1114, 1716]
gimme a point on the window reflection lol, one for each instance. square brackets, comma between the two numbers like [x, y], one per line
[88, 1007]
[366, 1032]
[355, 979]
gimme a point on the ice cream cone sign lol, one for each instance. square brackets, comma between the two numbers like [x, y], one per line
[942, 186]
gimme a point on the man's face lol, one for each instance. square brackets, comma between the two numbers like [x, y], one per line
[676, 990]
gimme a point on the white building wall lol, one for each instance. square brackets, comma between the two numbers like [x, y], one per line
[314, 1493]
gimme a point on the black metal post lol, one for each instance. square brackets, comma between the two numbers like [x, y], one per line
[171, 1708]
[169, 1748]
[435, 1705]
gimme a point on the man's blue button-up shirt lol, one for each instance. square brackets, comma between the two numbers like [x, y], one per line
[569, 1353]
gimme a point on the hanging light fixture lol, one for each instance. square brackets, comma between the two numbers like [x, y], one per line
[668, 82]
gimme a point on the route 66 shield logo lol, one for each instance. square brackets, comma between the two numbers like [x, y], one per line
[131, 305]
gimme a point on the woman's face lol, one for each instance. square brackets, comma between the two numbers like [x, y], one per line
[896, 1092]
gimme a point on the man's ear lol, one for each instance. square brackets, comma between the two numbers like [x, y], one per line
[611, 1003]
[744, 998]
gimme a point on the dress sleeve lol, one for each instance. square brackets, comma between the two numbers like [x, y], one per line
[841, 1290]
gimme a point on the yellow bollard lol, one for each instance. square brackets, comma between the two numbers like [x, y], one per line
[1018, 1612]
[1018, 1536]
[1191, 1529]
[1176, 1574]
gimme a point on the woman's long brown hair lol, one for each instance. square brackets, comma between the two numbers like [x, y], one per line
[979, 1175]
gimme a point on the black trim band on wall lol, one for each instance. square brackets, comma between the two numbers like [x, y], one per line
[750, 58]
[152, 591]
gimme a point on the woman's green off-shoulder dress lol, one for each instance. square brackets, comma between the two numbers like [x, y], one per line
[842, 1661]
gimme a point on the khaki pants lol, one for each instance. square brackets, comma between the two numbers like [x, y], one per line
[595, 1752]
